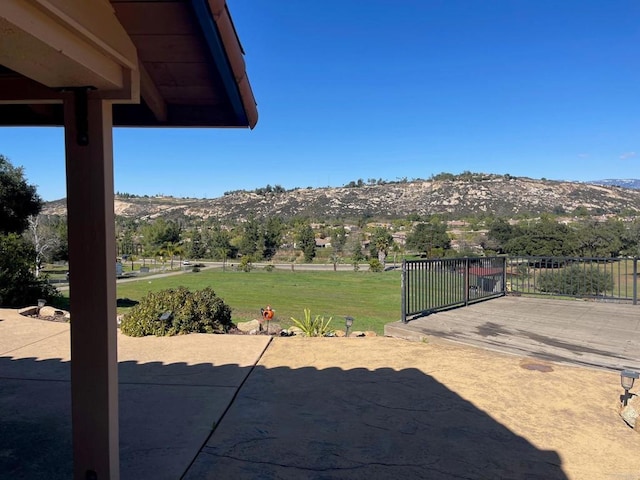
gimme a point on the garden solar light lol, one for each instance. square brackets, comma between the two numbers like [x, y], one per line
[627, 377]
[348, 321]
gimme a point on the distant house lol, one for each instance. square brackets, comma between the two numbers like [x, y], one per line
[400, 238]
[323, 242]
[486, 279]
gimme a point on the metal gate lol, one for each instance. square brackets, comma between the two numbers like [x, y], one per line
[432, 285]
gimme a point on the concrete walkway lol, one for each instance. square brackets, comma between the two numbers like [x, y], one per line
[244, 407]
[594, 334]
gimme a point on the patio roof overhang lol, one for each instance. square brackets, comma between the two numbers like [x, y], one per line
[89, 65]
[174, 63]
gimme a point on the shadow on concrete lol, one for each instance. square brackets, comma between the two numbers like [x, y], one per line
[283, 423]
[494, 336]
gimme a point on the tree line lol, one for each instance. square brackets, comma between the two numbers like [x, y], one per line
[548, 237]
[29, 239]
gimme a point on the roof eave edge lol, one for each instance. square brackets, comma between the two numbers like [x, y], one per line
[226, 52]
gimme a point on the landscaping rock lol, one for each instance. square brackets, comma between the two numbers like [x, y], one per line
[631, 412]
[247, 327]
[48, 311]
[295, 330]
[339, 333]
[370, 333]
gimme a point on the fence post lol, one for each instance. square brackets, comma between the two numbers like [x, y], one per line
[466, 281]
[403, 296]
[635, 280]
[504, 275]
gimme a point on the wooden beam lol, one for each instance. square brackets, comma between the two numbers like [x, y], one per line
[67, 43]
[94, 20]
[20, 90]
[151, 95]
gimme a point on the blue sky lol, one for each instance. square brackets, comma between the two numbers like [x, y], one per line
[350, 89]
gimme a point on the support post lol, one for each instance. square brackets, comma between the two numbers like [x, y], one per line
[92, 280]
[403, 292]
[635, 280]
[466, 281]
[504, 276]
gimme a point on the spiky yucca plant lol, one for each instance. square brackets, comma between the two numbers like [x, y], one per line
[313, 327]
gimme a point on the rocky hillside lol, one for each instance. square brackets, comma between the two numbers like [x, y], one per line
[619, 182]
[502, 195]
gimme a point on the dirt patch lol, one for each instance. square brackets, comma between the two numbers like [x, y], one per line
[536, 367]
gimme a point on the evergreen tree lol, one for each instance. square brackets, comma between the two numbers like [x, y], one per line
[18, 202]
[197, 246]
[307, 243]
[600, 239]
[160, 234]
[252, 241]
[425, 237]
[18, 199]
[273, 229]
[500, 232]
[546, 238]
[220, 244]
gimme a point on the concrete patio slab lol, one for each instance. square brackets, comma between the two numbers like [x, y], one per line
[173, 391]
[594, 334]
[378, 408]
[16, 330]
[199, 406]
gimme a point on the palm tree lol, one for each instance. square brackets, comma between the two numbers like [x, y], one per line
[382, 240]
[171, 249]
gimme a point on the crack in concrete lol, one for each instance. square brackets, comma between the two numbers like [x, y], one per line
[320, 469]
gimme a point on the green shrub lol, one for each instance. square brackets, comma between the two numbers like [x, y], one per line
[313, 327]
[576, 280]
[201, 311]
[18, 285]
[246, 264]
[269, 268]
[375, 265]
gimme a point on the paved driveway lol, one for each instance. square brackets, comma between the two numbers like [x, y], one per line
[595, 334]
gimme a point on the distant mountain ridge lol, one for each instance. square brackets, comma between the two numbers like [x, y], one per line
[502, 195]
[617, 182]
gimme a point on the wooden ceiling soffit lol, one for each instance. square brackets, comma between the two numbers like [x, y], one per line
[66, 44]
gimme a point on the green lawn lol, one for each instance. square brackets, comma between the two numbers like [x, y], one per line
[373, 299]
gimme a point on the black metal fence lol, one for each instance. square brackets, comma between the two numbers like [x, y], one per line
[438, 284]
[605, 279]
[432, 285]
